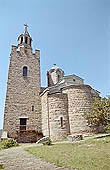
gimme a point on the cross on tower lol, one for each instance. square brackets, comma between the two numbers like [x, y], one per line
[25, 28]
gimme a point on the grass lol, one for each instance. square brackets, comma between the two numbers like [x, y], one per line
[1, 167]
[91, 154]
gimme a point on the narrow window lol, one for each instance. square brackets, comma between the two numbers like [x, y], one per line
[58, 77]
[21, 40]
[26, 40]
[61, 121]
[32, 108]
[25, 71]
[30, 42]
[73, 79]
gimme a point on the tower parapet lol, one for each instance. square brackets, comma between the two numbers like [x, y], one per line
[22, 112]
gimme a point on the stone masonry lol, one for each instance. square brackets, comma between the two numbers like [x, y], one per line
[32, 111]
[65, 100]
[55, 109]
[23, 91]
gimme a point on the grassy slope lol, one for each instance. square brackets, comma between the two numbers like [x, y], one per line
[92, 154]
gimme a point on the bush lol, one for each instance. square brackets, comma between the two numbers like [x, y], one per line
[107, 128]
[8, 143]
[48, 142]
[99, 114]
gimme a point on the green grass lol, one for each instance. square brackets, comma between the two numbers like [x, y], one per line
[91, 154]
[1, 167]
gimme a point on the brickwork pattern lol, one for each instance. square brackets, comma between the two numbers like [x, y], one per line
[45, 125]
[79, 102]
[23, 92]
[57, 108]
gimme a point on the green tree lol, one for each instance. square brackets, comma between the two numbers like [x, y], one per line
[99, 113]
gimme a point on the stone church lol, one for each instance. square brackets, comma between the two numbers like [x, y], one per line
[32, 111]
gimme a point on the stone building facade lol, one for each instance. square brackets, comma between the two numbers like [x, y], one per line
[23, 103]
[63, 103]
[32, 111]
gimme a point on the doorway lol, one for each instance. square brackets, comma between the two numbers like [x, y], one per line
[23, 122]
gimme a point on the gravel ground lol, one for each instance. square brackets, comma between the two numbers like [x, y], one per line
[17, 159]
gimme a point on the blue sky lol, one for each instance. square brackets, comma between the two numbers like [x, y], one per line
[74, 34]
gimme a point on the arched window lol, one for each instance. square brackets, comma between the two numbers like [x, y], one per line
[25, 69]
[32, 108]
[61, 121]
[58, 77]
[26, 40]
[21, 40]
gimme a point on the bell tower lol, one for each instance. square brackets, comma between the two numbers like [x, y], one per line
[25, 40]
[22, 113]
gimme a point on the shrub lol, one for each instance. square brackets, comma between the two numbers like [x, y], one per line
[107, 128]
[48, 142]
[8, 143]
[99, 114]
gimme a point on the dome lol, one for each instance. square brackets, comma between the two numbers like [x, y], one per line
[54, 75]
[55, 67]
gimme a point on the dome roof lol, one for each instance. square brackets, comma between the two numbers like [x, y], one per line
[55, 67]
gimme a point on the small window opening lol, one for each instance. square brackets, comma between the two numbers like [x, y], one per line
[61, 121]
[32, 108]
[58, 77]
[73, 79]
[30, 42]
[26, 40]
[25, 71]
[21, 40]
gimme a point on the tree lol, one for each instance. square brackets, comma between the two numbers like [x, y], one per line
[99, 115]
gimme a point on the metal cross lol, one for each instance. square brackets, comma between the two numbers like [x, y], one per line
[25, 29]
[26, 25]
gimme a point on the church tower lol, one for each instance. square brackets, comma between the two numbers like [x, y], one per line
[22, 114]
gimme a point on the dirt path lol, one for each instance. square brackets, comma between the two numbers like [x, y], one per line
[17, 159]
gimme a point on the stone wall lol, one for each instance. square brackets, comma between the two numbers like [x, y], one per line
[79, 102]
[45, 123]
[71, 103]
[58, 107]
[55, 106]
[27, 137]
[1, 133]
[23, 92]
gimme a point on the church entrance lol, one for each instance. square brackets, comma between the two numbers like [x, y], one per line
[23, 122]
